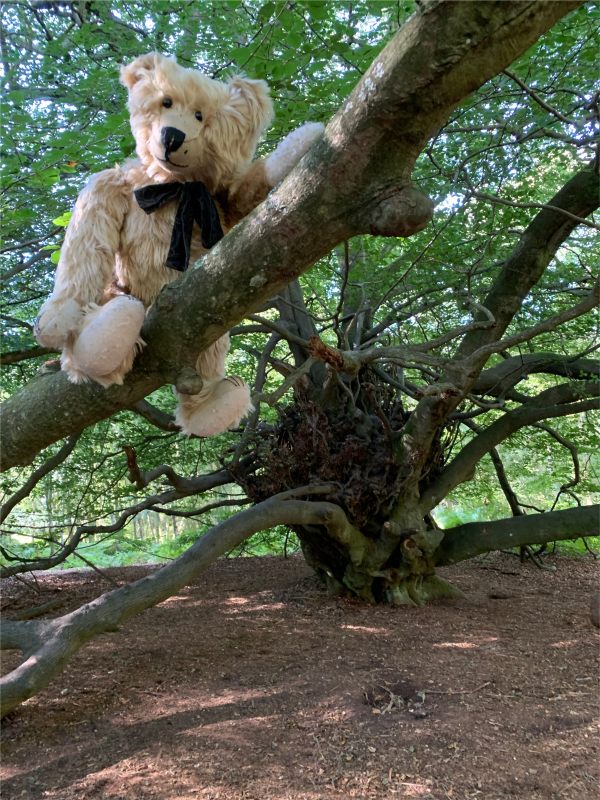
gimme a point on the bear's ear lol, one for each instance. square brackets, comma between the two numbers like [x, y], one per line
[250, 100]
[141, 67]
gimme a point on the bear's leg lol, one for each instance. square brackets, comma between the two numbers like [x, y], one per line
[220, 407]
[107, 344]
[223, 401]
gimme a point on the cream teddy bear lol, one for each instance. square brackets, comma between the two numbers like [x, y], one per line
[135, 227]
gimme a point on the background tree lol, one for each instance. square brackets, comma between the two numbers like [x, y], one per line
[385, 377]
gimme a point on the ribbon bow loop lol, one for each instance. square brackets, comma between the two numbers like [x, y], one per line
[195, 205]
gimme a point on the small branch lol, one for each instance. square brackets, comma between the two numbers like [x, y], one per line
[502, 377]
[28, 564]
[342, 298]
[158, 418]
[555, 402]
[183, 486]
[460, 691]
[273, 397]
[259, 382]
[508, 491]
[36, 476]
[29, 242]
[587, 304]
[15, 356]
[492, 198]
[280, 329]
[198, 512]
[10, 273]
[19, 323]
[351, 361]
[568, 444]
[534, 96]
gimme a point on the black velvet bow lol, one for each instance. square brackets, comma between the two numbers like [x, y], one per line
[195, 203]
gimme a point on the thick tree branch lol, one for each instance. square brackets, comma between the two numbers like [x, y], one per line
[357, 180]
[466, 541]
[49, 645]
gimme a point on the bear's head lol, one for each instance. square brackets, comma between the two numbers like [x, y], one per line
[188, 126]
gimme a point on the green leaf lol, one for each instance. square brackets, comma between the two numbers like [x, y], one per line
[63, 220]
[265, 12]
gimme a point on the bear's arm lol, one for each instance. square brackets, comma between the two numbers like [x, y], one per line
[262, 175]
[87, 257]
[247, 193]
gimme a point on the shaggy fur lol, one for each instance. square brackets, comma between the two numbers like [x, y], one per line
[111, 241]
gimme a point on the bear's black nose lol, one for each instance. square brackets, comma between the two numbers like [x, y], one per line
[172, 138]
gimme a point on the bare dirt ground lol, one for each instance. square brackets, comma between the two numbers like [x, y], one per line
[253, 684]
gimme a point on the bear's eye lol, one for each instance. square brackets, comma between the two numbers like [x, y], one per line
[199, 116]
[167, 102]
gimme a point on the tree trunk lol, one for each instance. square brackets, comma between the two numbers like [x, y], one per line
[387, 553]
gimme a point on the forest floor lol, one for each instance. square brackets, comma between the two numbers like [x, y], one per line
[253, 684]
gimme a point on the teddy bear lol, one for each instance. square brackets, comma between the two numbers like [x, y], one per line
[137, 226]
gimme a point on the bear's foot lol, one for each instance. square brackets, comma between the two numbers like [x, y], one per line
[217, 408]
[57, 320]
[108, 343]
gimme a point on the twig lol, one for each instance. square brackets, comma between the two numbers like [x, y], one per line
[461, 691]
[100, 572]
[36, 476]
